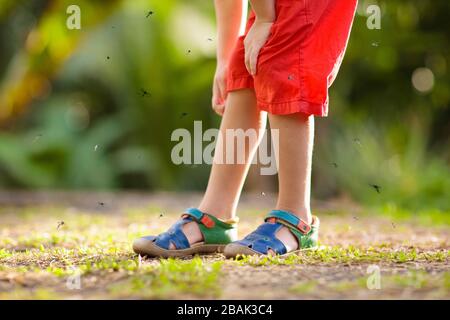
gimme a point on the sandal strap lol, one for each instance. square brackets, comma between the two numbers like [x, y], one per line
[201, 217]
[290, 219]
[174, 235]
[264, 238]
[214, 231]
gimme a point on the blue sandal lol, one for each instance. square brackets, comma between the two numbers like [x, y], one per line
[263, 239]
[216, 235]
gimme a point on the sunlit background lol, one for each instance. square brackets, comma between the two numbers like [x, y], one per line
[94, 109]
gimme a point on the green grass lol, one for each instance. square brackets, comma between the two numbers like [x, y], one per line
[162, 279]
[37, 257]
[350, 254]
[304, 287]
[412, 280]
[172, 277]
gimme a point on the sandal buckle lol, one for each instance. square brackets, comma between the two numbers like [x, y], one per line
[303, 227]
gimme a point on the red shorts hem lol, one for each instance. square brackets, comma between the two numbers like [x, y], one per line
[282, 108]
[244, 82]
[302, 106]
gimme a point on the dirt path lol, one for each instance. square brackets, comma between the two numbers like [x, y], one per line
[77, 245]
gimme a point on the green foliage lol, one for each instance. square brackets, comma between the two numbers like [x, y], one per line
[382, 131]
[53, 154]
[425, 217]
[396, 160]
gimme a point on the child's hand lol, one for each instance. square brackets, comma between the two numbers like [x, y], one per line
[219, 89]
[254, 41]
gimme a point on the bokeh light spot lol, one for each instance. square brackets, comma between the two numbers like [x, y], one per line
[423, 79]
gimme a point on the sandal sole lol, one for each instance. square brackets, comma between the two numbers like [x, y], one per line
[232, 250]
[149, 248]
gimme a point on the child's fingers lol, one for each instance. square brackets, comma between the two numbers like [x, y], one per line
[247, 59]
[222, 86]
[217, 100]
[219, 109]
[217, 106]
[221, 90]
[216, 93]
[253, 60]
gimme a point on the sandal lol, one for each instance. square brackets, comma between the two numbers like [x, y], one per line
[263, 239]
[216, 235]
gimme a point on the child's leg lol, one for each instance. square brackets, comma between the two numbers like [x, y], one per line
[296, 136]
[226, 180]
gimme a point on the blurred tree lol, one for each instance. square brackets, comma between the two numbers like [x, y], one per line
[47, 44]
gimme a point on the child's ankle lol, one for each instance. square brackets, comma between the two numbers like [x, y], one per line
[224, 214]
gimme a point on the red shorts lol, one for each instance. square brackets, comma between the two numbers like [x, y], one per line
[300, 59]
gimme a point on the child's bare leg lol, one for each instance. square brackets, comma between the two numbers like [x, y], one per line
[295, 146]
[226, 180]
